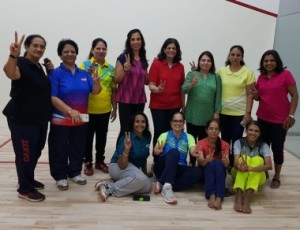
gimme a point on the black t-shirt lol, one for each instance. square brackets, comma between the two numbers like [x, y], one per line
[30, 95]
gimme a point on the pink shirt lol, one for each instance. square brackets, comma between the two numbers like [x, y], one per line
[171, 97]
[274, 104]
[207, 148]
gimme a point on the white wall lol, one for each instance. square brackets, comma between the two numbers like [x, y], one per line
[198, 25]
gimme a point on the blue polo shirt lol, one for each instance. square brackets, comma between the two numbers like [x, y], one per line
[139, 151]
[72, 88]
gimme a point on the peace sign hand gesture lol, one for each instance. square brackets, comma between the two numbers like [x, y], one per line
[127, 65]
[127, 141]
[210, 155]
[159, 148]
[15, 48]
[193, 66]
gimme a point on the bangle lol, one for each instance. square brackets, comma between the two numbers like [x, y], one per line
[125, 155]
[12, 56]
[70, 111]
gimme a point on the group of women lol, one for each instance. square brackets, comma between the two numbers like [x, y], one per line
[83, 99]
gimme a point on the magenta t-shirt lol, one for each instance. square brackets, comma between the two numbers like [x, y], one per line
[274, 104]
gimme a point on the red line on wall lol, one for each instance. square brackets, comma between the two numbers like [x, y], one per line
[253, 8]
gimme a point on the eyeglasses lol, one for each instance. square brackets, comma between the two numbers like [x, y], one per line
[42, 47]
[213, 128]
[178, 121]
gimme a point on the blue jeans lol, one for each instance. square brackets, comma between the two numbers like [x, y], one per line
[167, 170]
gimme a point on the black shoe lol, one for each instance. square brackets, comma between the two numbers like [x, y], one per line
[38, 185]
[34, 196]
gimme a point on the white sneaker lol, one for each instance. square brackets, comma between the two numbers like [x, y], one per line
[62, 184]
[104, 191]
[168, 195]
[78, 180]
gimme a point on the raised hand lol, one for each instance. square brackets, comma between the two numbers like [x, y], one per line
[159, 148]
[15, 48]
[210, 155]
[161, 86]
[194, 81]
[193, 66]
[127, 141]
[127, 65]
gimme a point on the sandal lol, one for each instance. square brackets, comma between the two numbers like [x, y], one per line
[275, 183]
[101, 166]
[88, 169]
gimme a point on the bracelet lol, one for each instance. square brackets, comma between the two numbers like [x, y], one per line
[248, 112]
[125, 155]
[12, 56]
[70, 111]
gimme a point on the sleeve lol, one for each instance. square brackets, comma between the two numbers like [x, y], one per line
[237, 147]
[154, 72]
[218, 99]
[90, 80]
[191, 141]
[289, 79]
[54, 80]
[265, 150]
[163, 138]
[81, 66]
[250, 77]
[187, 82]
[121, 59]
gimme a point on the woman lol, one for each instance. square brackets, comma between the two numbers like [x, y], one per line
[203, 87]
[213, 156]
[237, 81]
[128, 164]
[166, 76]
[28, 111]
[102, 106]
[131, 77]
[170, 167]
[276, 112]
[70, 88]
[251, 160]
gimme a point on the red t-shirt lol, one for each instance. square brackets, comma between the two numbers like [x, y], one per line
[207, 148]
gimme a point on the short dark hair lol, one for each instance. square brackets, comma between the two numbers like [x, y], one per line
[29, 39]
[162, 55]
[240, 48]
[65, 42]
[279, 64]
[209, 54]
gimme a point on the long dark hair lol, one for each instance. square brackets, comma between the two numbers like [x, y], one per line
[142, 51]
[241, 49]
[146, 132]
[279, 64]
[94, 43]
[218, 148]
[211, 57]
[162, 55]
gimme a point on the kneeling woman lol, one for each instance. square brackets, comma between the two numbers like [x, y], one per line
[128, 164]
[251, 160]
[214, 156]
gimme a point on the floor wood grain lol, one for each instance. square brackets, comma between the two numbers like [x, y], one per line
[79, 208]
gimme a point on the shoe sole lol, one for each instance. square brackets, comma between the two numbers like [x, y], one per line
[99, 182]
[171, 202]
[63, 188]
[31, 200]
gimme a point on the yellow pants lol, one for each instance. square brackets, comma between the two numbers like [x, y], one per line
[249, 180]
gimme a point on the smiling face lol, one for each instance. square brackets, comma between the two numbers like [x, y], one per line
[139, 124]
[177, 122]
[36, 48]
[136, 41]
[235, 57]
[253, 133]
[68, 55]
[269, 64]
[99, 51]
[213, 130]
[205, 63]
[170, 51]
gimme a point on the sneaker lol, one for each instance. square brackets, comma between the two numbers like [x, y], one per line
[101, 166]
[88, 169]
[38, 185]
[157, 187]
[168, 195]
[32, 196]
[62, 184]
[104, 192]
[78, 180]
[102, 181]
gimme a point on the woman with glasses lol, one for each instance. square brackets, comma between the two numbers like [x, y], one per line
[213, 156]
[170, 167]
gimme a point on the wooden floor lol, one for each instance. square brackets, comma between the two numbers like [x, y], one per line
[79, 208]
